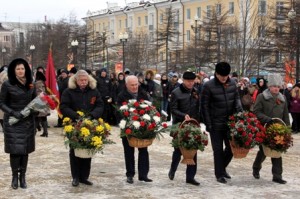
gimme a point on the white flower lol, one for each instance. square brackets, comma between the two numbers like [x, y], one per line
[148, 102]
[124, 107]
[156, 119]
[144, 106]
[122, 124]
[131, 109]
[136, 124]
[132, 101]
[146, 117]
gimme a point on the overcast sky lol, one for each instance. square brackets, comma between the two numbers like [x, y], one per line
[36, 10]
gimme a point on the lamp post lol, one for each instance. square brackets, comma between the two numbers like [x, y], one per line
[196, 30]
[32, 48]
[74, 44]
[295, 31]
[3, 55]
[123, 39]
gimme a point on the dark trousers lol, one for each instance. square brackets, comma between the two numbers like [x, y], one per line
[80, 167]
[191, 170]
[276, 164]
[222, 157]
[296, 122]
[143, 160]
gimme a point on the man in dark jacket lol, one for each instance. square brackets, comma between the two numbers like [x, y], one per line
[81, 94]
[184, 106]
[132, 91]
[219, 100]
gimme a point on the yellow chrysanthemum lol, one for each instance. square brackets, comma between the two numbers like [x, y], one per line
[67, 120]
[85, 131]
[97, 141]
[107, 126]
[68, 128]
[80, 113]
[100, 129]
[88, 122]
[100, 120]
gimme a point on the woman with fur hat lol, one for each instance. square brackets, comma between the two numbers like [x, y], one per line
[81, 94]
[19, 138]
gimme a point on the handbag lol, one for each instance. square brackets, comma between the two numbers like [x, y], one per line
[247, 100]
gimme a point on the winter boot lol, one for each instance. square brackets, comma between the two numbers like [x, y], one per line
[14, 164]
[45, 129]
[23, 168]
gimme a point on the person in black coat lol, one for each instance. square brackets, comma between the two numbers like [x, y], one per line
[133, 91]
[219, 100]
[19, 138]
[184, 106]
[81, 95]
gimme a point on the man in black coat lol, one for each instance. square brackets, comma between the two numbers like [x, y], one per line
[219, 100]
[184, 106]
[133, 91]
[81, 94]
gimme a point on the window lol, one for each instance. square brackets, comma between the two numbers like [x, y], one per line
[208, 11]
[99, 26]
[231, 8]
[278, 57]
[279, 8]
[261, 58]
[207, 35]
[139, 21]
[188, 14]
[6, 38]
[219, 9]
[188, 35]
[262, 9]
[126, 23]
[161, 56]
[120, 23]
[161, 18]
[199, 12]
[261, 31]
[146, 20]
[279, 31]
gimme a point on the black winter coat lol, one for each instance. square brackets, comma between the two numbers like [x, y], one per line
[184, 101]
[218, 102]
[88, 101]
[19, 138]
[104, 87]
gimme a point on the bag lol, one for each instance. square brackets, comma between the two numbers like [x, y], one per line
[247, 100]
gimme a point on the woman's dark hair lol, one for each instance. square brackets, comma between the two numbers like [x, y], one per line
[12, 75]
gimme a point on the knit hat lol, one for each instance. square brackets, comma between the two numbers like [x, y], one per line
[223, 68]
[189, 75]
[275, 80]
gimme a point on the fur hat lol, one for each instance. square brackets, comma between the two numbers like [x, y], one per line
[12, 74]
[40, 76]
[275, 80]
[64, 71]
[73, 70]
[189, 75]
[223, 68]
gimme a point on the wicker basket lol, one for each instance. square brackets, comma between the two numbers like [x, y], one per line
[139, 143]
[83, 153]
[188, 156]
[238, 152]
[271, 153]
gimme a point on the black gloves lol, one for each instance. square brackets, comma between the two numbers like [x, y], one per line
[17, 114]
[270, 122]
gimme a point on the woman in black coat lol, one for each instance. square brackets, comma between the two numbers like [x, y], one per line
[19, 138]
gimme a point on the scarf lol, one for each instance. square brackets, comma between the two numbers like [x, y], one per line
[22, 80]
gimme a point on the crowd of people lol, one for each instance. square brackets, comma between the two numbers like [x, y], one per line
[207, 100]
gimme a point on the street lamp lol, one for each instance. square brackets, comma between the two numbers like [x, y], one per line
[32, 48]
[3, 54]
[196, 30]
[292, 16]
[123, 39]
[74, 44]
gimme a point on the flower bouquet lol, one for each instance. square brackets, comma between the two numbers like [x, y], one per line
[189, 138]
[40, 103]
[86, 136]
[278, 139]
[246, 132]
[141, 123]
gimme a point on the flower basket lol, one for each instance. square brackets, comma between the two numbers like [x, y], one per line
[189, 137]
[278, 138]
[84, 153]
[271, 153]
[188, 156]
[238, 152]
[139, 143]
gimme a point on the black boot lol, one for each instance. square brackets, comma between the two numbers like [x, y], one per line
[14, 164]
[24, 161]
[45, 129]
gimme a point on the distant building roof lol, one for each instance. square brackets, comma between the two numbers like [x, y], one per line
[2, 29]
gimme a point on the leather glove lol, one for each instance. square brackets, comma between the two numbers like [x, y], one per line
[17, 114]
[270, 122]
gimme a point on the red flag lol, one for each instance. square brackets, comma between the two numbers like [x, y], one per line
[51, 83]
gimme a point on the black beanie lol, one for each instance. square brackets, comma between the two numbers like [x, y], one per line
[223, 68]
[189, 75]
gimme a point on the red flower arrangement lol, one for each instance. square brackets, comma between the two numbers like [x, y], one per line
[50, 102]
[141, 120]
[245, 130]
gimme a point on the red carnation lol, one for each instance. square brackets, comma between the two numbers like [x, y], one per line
[126, 113]
[136, 104]
[128, 131]
[135, 117]
[142, 112]
[157, 114]
[124, 103]
[142, 123]
[135, 111]
[165, 125]
[244, 134]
